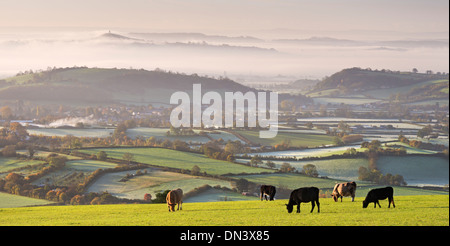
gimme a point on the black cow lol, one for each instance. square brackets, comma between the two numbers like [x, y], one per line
[379, 194]
[267, 190]
[305, 194]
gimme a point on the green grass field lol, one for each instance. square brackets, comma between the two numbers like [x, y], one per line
[178, 159]
[409, 211]
[11, 201]
[9, 163]
[153, 182]
[296, 139]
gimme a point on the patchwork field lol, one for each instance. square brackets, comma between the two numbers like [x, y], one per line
[161, 133]
[296, 139]
[432, 210]
[8, 163]
[178, 159]
[152, 182]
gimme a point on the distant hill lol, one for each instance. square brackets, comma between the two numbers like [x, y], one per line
[198, 37]
[82, 85]
[364, 79]
[384, 84]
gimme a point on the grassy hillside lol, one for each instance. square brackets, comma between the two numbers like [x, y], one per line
[105, 86]
[409, 211]
[364, 79]
[360, 86]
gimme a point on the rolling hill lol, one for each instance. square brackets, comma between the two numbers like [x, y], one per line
[383, 85]
[105, 86]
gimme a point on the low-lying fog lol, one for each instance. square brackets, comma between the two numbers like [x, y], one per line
[242, 57]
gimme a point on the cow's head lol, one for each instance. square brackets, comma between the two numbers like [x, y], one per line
[335, 197]
[289, 207]
[365, 204]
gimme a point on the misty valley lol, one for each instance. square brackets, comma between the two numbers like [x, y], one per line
[119, 146]
[224, 113]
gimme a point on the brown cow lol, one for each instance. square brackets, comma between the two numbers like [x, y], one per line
[173, 198]
[344, 189]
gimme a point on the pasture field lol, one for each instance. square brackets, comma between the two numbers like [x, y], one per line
[44, 154]
[178, 159]
[79, 168]
[11, 163]
[296, 139]
[161, 133]
[153, 182]
[417, 170]
[8, 163]
[431, 210]
[61, 132]
[293, 181]
[11, 201]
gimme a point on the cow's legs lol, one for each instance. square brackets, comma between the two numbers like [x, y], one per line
[318, 206]
[312, 205]
[298, 207]
[378, 202]
[353, 198]
[391, 200]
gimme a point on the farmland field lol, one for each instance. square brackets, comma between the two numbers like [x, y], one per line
[431, 210]
[153, 182]
[178, 159]
[161, 133]
[296, 139]
[81, 167]
[7, 163]
[314, 152]
[417, 170]
[74, 132]
[11, 201]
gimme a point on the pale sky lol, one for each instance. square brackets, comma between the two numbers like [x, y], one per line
[230, 15]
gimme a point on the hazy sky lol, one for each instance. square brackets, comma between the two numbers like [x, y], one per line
[35, 34]
[230, 15]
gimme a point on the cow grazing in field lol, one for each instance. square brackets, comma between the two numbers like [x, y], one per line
[379, 194]
[267, 190]
[305, 194]
[344, 189]
[173, 198]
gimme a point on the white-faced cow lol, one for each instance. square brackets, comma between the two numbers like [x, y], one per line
[379, 194]
[267, 190]
[173, 198]
[305, 194]
[344, 189]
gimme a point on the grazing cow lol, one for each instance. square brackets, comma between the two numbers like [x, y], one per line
[267, 190]
[306, 194]
[173, 198]
[379, 194]
[344, 189]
